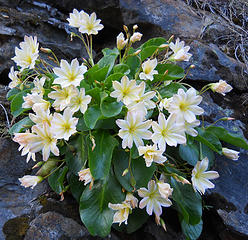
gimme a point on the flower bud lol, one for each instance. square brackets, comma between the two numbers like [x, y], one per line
[135, 27]
[38, 165]
[137, 52]
[164, 45]
[47, 167]
[125, 172]
[136, 37]
[231, 154]
[30, 181]
[125, 28]
[120, 41]
[45, 50]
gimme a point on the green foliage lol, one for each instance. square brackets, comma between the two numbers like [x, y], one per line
[16, 104]
[21, 126]
[56, 180]
[91, 116]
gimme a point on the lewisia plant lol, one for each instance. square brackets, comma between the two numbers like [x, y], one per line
[124, 135]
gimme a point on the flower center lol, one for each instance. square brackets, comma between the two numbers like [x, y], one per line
[183, 106]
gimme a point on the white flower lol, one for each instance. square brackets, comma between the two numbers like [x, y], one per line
[41, 138]
[151, 154]
[13, 75]
[69, 74]
[85, 175]
[221, 87]
[125, 91]
[138, 108]
[189, 128]
[64, 125]
[124, 208]
[120, 41]
[133, 129]
[90, 25]
[165, 103]
[41, 115]
[200, 177]
[30, 181]
[180, 51]
[148, 69]
[231, 154]
[62, 97]
[185, 105]
[38, 86]
[80, 101]
[136, 37]
[164, 189]
[168, 132]
[76, 18]
[26, 55]
[34, 99]
[152, 199]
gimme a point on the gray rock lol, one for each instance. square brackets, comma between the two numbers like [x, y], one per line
[54, 226]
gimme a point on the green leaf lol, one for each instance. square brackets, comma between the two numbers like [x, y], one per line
[56, 180]
[192, 232]
[207, 152]
[142, 174]
[111, 78]
[96, 73]
[154, 42]
[101, 156]
[89, 75]
[174, 71]
[188, 201]
[12, 92]
[91, 116]
[16, 104]
[77, 187]
[76, 159]
[94, 210]
[109, 58]
[133, 63]
[21, 126]
[110, 107]
[232, 138]
[147, 52]
[189, 153]
[121, 68]
[206, 137]
[169, 90]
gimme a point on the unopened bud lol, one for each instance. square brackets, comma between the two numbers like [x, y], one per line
[92, 139]
[125, 172]
[164, 45]
[47, 167]
[45, 50]
[136, 37]
[171, 38]
[137, 52]
[163, 224]
[91, 184]
[180, 179]
[157, 219]
[135, 27]
[125, 28]
[192, 66]
[227, 119]
[38, 164]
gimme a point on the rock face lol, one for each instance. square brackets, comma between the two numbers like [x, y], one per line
[22, 211]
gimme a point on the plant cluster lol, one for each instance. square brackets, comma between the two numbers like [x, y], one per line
[123, 135]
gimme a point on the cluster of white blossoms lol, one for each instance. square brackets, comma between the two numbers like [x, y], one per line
[84, 22]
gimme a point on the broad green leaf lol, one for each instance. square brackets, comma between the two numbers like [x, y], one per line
[56, 180]
[192, 232]
[91, 116]
[81, 126]
[89, 75]
[100, 74]
[77, 187]
[141, 173]
[76, 159]
[154, 42]
[110, 107]
[12, 92]
[174, 71]
[207, 152]
[21, 126]
[100, 155]
[133, 63]
[121, 68]
[111, 78]
[109, 58]
[189, 153]
[232, 138]
[94, 210]
[188, 201]
[171, 89]
[147, 52]
[16, 104]
[208, 138]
